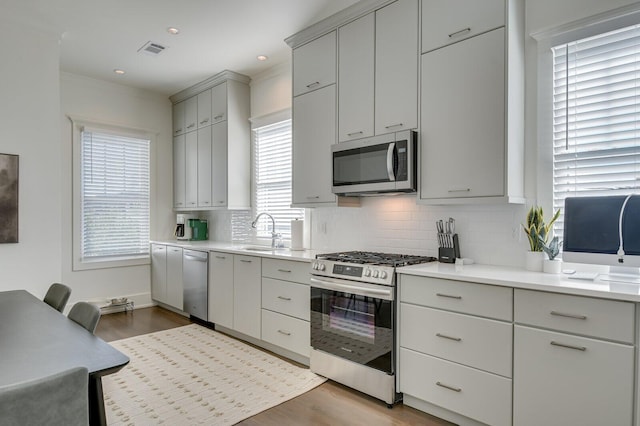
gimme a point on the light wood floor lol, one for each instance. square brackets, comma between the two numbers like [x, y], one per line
[328, 404]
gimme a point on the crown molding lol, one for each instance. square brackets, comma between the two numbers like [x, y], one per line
[334, 21]
[221, 77]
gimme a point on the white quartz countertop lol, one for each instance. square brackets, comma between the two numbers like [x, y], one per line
[243, 249]
[520, 278]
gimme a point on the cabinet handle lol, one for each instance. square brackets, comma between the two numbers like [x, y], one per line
[178, 130]
[562, 345]
[313, 197]
[218, 117]
[449, 296]
[178, 204]
[191, 125]
[444, 336]
[359, 132]
[460, 32]
[453, 388]
[284, 270]
[393, 125]
[246, 261]
[562, 314]
[221, 257]
[284, 298]
[314, 84]
[206, 120]
[460, 190]
[205, 202]
[286, 333]
[220, 202]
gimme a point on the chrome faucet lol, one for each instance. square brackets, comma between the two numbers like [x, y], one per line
[274, 234]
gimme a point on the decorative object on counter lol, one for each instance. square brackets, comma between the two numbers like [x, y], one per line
[538, 233]
[448, 242]
[297, 234]
[552, 265]
[8, 198]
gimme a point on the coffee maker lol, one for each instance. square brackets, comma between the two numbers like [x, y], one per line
[183, 230]
[198, 229]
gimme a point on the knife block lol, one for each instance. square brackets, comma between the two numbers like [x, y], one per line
[449, 254]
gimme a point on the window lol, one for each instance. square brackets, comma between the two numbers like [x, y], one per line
[596, 116]
[111, 198]
[272, 178]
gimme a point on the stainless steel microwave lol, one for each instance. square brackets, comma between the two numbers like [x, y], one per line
[377, 165]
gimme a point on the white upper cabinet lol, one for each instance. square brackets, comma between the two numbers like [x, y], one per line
[179, 172]
[204, 167]
[204, 108]
[219, 167]
[449, 21]
[314, 64]
[191, 114]
[356, 63]
[219, 103]
[191, 170]
[178, 119]
[396, 88]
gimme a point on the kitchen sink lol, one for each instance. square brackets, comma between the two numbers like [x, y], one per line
[261, 248]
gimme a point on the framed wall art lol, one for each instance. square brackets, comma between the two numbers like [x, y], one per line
[8, 198]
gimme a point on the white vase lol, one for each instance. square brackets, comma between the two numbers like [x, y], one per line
[552, 266]
[534, 260]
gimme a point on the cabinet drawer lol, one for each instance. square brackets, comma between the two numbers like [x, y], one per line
[468, 298]
[607, 319]
[287, 270]
[286, 332]
[585, 382]
[449, 21]
[476, 342]
[287, 298]
[473, 393]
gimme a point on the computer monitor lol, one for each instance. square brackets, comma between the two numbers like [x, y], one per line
[603, 231]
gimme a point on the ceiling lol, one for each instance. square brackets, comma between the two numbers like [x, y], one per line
[98, 36]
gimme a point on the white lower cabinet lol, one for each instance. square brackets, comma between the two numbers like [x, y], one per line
[159, 272]
[175, 286]
[247, 295]
[166, 275]
[220, 292]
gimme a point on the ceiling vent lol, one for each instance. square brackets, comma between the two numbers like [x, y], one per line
[152, 49]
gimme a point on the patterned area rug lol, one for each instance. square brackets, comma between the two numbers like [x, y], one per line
[193, 375]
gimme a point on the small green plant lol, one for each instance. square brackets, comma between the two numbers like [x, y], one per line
[536, 229]
[552, 249]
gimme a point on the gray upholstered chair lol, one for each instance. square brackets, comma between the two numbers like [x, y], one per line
[57, 296]
[85, 314]
[59, 399]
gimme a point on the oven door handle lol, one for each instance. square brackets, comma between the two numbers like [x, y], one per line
[328, 284]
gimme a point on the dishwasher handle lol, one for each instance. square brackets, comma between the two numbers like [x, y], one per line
[199, 256]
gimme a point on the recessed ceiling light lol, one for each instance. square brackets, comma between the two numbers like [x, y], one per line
[173, 30]
[262, 57]
[118, 71]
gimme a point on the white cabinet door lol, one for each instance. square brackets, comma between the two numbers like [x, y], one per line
[219, 103]
[221, 289]
[396, 80]
[314, 64]
[178, 119]
[191, 114]
[314, 131]
[204, 108]
[191, 169]
[247, 296]
[449, 21]
[463, 119]
[356, 78]
[560, 379]
[175, 286]
[179, 172]
[204, 167]
[159, 272]
[219, 164]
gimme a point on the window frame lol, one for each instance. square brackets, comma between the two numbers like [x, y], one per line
[78, 124]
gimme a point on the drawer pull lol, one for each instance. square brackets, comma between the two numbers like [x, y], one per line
[457, 33]
[221, 257]
[562, 314]
[310, 85]
[453, 388]
[449, 296]
[562, 345]
[284, 270]
[245, 260]
[284, 298]
[359, 132]
[393, 125]
[313, 197]
[459, 190]
[286, 333]
[444, 336]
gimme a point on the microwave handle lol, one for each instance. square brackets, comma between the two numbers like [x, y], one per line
[390, 169]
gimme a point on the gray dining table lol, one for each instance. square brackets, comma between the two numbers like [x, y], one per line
[37, 340]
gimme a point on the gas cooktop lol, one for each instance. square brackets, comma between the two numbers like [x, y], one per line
[374, 258]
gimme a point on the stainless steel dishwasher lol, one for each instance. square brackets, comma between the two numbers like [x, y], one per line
[194, 276]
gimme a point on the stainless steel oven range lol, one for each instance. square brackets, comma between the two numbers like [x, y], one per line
[353, 314]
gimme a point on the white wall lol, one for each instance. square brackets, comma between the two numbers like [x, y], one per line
[124, 106]
[29, 111]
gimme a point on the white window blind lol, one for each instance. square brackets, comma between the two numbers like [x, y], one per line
[596, 110]
[114, 192]
[272, 176]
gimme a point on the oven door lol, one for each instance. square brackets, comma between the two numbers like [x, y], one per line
[354, 321]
